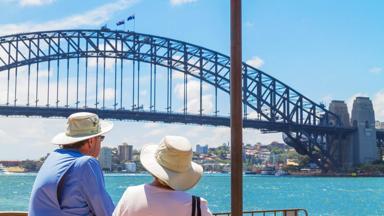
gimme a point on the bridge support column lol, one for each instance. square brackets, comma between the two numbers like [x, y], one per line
[364, 140]
[340, 144]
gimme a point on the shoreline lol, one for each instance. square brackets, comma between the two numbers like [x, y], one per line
[336, 175]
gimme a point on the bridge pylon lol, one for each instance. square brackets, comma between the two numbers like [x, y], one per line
[364, 140]
[341, 144]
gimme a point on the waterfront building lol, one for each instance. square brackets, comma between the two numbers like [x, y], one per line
[125, 152]
[278, 145]
[130, 167]
[379, 125]
[105, 158]
[200, 149]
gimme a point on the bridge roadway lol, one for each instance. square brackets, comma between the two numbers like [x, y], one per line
[168, 118]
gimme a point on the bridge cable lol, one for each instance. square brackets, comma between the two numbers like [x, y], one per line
[185, 80]
[133, 72]
[121, 74]
[201, 82]
[68, 60]
[58, 72]
[78, 70]
[86, 75]
[9, 71]
[29, 72]
[16, 69]
[138, 81]
[150, 79]
[49, 70]
[115, 48]
[37, 70]
[97, 70]
[216, 84]
[104, 60]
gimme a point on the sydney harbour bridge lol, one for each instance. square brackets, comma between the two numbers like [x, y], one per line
[132, 76]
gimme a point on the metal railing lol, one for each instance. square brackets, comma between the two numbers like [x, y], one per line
[13, 213]
[281, 212]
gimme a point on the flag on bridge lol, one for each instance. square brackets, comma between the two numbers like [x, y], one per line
[121, 22]
[132, 17]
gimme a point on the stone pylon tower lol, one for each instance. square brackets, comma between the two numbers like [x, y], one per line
[342, 147]
[364, 140]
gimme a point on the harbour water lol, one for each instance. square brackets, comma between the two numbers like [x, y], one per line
[319, 195]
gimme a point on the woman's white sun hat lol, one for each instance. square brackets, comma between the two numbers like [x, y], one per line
[171, 162]
[82, 126]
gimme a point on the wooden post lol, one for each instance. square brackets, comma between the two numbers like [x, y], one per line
[236, 111]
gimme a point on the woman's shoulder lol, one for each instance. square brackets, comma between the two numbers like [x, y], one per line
[135, 188]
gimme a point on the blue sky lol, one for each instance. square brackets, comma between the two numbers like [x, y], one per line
[324, 49]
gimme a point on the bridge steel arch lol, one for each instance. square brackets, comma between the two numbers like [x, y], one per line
[279, 107]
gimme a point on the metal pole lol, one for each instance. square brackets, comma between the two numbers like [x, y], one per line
[236, 111]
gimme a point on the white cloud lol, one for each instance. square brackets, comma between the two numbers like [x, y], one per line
[253, 115]
[180, 2]
[109, 93]
[109, 63]
[376, 70]
[350, 100]
[193, 95]
[35, 2]
[94, 17]
[256, 62]
[378, 105]
[178, 75]
[2, 134]
[25, 3]
[18, 140]
[326, 100]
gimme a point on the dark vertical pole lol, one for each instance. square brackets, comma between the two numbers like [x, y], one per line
[77, 71]
[29, 71]
[86, 75]
[68, 49]
[121, 74]
[105, 48]
[236, 111]
[17, 54]
[58, 70]
[49, 70]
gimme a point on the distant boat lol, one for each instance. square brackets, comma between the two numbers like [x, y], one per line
[3, 170]
[281, 173]
[251, 173]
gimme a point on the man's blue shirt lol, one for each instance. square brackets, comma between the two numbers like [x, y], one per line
[81, 193]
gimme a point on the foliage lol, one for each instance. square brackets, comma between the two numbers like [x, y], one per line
[31, 166]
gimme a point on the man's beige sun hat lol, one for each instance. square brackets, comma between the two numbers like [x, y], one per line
[171, 162]
[82, 126]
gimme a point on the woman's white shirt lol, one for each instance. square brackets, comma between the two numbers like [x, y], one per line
[148, 200]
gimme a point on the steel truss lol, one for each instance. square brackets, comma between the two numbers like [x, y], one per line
[279, 107]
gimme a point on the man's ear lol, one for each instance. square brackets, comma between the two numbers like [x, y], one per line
[93, 140]
[90, 142]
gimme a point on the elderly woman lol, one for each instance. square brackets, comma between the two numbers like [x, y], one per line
[171, 165]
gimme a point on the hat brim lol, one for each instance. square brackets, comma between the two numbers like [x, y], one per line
[178, 181]
[64, 139]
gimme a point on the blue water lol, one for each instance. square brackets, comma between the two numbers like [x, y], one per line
[319, 195]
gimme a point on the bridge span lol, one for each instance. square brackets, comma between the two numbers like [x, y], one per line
[133, 76]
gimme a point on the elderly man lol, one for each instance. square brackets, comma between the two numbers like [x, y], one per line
[71, 182]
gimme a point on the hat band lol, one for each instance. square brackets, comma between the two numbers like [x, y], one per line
[86, 132]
